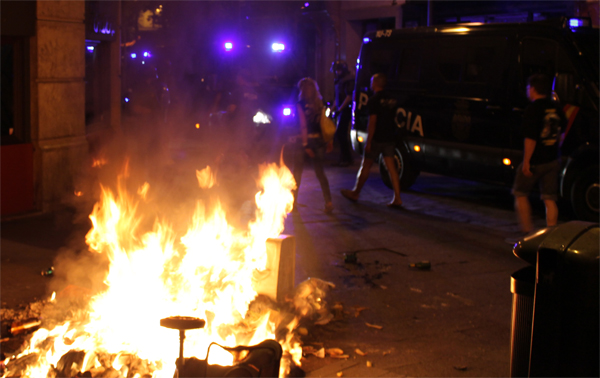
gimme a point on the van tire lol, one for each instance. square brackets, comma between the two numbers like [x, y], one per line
[406, 171]
[584, 194]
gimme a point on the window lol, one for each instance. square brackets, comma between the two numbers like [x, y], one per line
[479, 61]
[538, 56]
[450, 61]
[409, 67]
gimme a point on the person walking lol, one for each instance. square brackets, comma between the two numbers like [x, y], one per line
[342, 106]
[381, 139]
[310, 141]
[542, 124]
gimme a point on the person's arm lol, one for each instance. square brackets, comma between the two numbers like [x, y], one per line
[346, 102]
[529, 147]
[370, 131]
[304, 131]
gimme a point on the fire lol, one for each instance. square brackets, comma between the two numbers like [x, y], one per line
[207, 273]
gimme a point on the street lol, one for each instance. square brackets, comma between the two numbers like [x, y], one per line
[389, 319]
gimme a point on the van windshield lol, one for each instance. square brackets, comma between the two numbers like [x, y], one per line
[588, 43]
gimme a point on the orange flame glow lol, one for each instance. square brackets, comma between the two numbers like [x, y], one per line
[207, 273]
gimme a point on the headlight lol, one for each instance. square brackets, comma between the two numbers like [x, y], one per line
[261, 117]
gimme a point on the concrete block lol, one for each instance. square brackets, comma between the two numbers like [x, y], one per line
[61, 160]
[61, 109]
[63, 10]
[60, 49]
[277, 279]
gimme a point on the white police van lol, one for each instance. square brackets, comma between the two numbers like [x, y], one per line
[462, 95]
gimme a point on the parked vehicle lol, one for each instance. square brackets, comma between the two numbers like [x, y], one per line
[462, 95]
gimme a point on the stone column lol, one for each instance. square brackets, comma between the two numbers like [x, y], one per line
[58, 100]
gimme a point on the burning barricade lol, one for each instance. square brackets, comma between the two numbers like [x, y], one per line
[231, 289]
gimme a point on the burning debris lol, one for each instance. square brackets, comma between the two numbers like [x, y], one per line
[211, 271]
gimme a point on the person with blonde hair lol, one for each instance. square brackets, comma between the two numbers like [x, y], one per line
[310, 141]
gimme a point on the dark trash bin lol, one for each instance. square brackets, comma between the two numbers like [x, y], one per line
[522, 287]
[564, 339]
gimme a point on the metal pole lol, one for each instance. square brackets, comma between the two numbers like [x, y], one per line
[429, 12]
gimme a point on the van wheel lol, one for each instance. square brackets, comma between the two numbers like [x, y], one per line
[406, 171]
[585, 193]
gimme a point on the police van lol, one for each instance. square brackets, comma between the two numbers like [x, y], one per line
[462, 95]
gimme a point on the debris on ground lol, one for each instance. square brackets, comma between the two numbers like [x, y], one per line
[421, 265]
[461, 368]
[339, 373]
[334, 351]
[369, 364]
[358, 310]
[374, 326]
[359, 352]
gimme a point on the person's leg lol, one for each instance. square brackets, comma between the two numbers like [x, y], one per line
[342, 137]
[345, 146]
[361, 179]
[551, 212]
[523, 209]
[320, 172]
[297, 154]
[390, 164]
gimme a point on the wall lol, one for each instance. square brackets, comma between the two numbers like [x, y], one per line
[57, 100]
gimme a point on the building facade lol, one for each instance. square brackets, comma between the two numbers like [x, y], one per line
[45, 141]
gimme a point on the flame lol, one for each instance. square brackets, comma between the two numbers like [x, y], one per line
[99, 162]
[207, 273]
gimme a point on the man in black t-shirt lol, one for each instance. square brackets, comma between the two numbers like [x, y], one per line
[542, 124]
[381, 139]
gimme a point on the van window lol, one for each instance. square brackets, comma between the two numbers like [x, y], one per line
[479, 61]
[538, 56]
[409, 67]
[449, 63]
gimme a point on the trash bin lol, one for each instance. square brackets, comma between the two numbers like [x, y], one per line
[564, 339]
[522, 287]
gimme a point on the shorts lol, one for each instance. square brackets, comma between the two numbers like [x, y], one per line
[379, 148]
[545, 175]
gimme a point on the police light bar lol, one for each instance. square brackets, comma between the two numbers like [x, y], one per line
[366, 40]
[228, 46]
[579, 22]
[90, 48]
[278, 47]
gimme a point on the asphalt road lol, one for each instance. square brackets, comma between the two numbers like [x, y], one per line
[390, 320]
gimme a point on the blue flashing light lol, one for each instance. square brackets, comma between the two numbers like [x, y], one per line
[306, 5]
[228, 46]
[133, 55]
[90, 48]
[579, 22]
[366, 40]
[287, 111]
[126, 99]
[147, 54]
[278, 47]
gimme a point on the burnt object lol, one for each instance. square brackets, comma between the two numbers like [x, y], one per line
[23, 326]
[260, 360]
